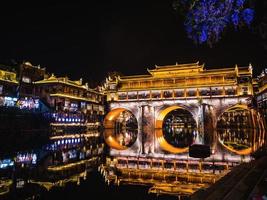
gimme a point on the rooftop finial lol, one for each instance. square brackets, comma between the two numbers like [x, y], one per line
[236, 68]
[250, 68]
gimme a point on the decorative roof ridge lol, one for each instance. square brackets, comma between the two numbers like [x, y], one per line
[177, 65]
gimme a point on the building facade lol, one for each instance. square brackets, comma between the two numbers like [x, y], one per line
[261, 95]
[8, 88]
[27, 75]
[211, 105]
[76, 107]
[71, 106]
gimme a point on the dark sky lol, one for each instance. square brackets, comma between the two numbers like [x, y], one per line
[87, 41]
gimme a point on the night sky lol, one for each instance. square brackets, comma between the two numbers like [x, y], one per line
[81, 40]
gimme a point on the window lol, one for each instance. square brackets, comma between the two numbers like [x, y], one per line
[230, 91]
[216, 91]
[191, 93]
[122, 96]
[167, 94]
[179, 93]
[204, 92]
[245, 90]
[156, 94]
[26, 79]
[112, 87]
[143, 95]
[83, 105]
[132, 95]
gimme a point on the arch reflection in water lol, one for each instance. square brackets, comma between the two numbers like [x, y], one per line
[179, 128]
[165, 145]
[123, 133]
[120, 140]
[236, 140]
[238, 131]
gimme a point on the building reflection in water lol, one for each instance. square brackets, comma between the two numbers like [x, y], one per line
[238, 133]
[125, 129]
[179, 128]
[65, 159]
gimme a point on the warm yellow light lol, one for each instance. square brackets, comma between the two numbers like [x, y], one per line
[163, 113]
[166, 146]
[239, 152]
[111, 141]
[111, 116]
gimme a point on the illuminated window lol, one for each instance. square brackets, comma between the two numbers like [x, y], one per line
[191, 92]
[83, 105]
[132, 95]
[112, 87]
[204, 92]
[216, 91]
[156, 94]
[245, 90]
[26, 79]
[167, 94]
[143, 95]
[122, 96]
[230, 91]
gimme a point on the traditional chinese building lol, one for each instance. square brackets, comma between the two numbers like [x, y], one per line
[8, 88]
[262, 94]
[74, 103]
[181, 81]
[156, 119]
[161, 125]
[17, 85]
[27, 75]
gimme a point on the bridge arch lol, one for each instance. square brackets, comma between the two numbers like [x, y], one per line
[162, 113]
[233, 107]
[166, 146]
[159, 121]
[111, 132]
[239, 128]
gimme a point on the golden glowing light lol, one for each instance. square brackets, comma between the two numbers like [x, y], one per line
[111, 141]
[163, 113]
[235, 108]
[166, 146]
[239, 152]
[111, 116]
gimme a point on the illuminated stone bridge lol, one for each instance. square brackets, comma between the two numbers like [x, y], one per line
[161, 114]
